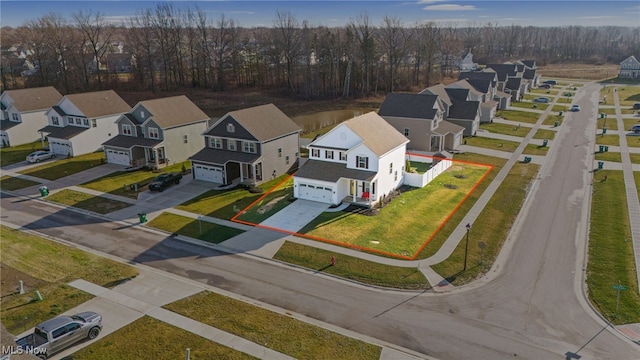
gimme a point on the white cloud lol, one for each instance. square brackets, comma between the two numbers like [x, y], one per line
[429, 1]
[450, 7]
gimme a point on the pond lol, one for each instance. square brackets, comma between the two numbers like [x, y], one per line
[320, 120]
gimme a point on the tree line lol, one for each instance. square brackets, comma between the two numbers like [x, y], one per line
[173, 48]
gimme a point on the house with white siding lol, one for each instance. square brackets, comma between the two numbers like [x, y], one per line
[24, 112]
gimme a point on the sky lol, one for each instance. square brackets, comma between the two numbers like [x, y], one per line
[252, 13]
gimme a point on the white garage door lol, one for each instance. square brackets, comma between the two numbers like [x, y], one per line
[118, 157]
[208, 173]
[315, 192]
[60, 147]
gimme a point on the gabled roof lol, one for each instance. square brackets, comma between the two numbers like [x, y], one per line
[503, 70]
[457, 94]
[377, 134]
[632, 58]
[6, 124]
[332, 171]
[67, 132]
[529, 74]
[127, 142]
[480, 75]
[481, 85]
[99, 103]
[513, 83]
[35, 98]
[221, 157]
[466, 110]
[415, 106]
[439, 90]
[446, 127]
[264, 122]
[173, 111]
[466, 85]
[530, 63]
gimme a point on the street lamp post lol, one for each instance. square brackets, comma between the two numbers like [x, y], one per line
[466, 247]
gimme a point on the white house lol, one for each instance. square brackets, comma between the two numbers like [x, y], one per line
[23, 113]
[360, 160]
[80, 123]
[467, 63]
[630, 68]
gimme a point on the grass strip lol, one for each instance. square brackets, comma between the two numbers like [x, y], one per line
[64, 167]
[197, 229]
[149, 338]
[15, 183]
[352, 268]
[275, 331]
[611, 258]
[84, 201]
[15, 154]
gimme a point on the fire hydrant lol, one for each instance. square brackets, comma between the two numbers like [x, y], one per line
[333, 261]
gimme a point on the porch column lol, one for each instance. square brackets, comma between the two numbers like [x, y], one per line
[42, 140]
[241, 173]
[355, 190]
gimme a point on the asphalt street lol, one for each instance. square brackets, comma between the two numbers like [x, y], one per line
[530, 307]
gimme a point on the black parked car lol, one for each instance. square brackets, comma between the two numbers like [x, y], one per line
[165, 180]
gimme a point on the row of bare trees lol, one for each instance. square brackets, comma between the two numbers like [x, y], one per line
[173, 48]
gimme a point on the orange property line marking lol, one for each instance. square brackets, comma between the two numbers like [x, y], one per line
[361, 248]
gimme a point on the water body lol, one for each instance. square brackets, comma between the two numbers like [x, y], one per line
[317, 121]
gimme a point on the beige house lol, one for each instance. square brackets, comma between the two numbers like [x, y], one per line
[248, 146]
[24, 112]
[157, 133]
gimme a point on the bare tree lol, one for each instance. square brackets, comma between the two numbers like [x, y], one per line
[394, 39]
[98, 35]
[287, 41]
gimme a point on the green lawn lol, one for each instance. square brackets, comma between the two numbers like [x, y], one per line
[521, 116]
[495, 144]
[611, 258]
[532, 149]
[15, 183]
[613, 140]
[367, 272]
[114, 183]
[16, 154]
[505, 129]
[635, 158]
[610, 112]
[559, 107]
[544, 134]
[633, 141]
[628, 123]
[565, 100]
[530, 105]
[65, 167]
[491, 227]
[271, 329]
[149, 338]
[272, 202]
[80, 200]
[609, 156]
[628, 94]
[611, 124]
[225, 204]
[549, 92]
[48, 266]
[394, 230]
[551, 120]
[194, 228]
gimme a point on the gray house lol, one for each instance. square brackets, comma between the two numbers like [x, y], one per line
[420, 118]
[157, 133]
[248, 146]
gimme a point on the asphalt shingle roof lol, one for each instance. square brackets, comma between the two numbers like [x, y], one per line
[127, 142]
[503, 70]
[465, 110]
[99, 103]
[221, 157]
[173, 111]
[66, 132]
[264, 122]
[415, 106]
[332, 171]
[378, 135]
[32, 99]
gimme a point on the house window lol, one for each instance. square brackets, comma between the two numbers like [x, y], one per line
[231, 128]
[395, 176]
[14, 116]
[362, 162]
[142, 114]
[185, 139]
[248, 147]
[153, 133]
[231, 145]
[126, 129]
[391, 168]
[315, 153]
[343, 156]
[279, 152]
[406, 132]
[328, 154]
[286, 160]
[94, 123]
[85, 122]
[215, 143]
[55, 120]
[78, 121]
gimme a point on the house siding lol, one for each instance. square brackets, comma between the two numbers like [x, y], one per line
[90, 140]
[386, 181]
[27, 131]
[152, 124]
[220, 130]
[175, 148]
[419, 131]
[273, 165]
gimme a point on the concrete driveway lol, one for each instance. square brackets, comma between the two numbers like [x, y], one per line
[176, 194]
[296, 215]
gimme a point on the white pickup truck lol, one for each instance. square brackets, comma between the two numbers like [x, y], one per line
[54, 335]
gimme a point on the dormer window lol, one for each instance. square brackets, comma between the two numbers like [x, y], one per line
[231, 128]
[142, 114]
[153, 133]
[14, 117]
[126, 129]
[55, 120]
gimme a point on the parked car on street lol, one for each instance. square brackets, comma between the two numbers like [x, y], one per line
[636, 106]
[575, 107]
[52, 336]
[550, 82]
[40, 155]
[542, 100]
[636, 129]
[165, 180]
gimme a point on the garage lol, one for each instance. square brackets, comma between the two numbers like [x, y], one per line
[118, 157]
[315, 192]
[60, 147]
[208, 173]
